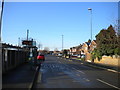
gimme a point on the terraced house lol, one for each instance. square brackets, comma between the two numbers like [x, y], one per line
[73, 50]
[85, 48]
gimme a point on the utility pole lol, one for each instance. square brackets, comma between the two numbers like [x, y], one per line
[27, 34]
[19, 41]
[39, 45]
[62, 42]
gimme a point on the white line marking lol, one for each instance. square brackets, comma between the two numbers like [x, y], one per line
[81, 71]
[76, 81]
[105, 69]
[112, 70]
[74, 68]
[78, 74]
[108, 84]
[86, 79]
[59, 62]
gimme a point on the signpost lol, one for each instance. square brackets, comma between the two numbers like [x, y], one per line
[30, 46]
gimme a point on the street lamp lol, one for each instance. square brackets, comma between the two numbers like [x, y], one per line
[91, 21]
[1, 13]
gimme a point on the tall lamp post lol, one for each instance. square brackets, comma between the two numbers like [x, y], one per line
[2, 5]
[91, 21]
[1, 13]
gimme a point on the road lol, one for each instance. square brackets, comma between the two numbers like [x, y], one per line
[60, 73]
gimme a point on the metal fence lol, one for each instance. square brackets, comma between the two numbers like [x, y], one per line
[12, 56]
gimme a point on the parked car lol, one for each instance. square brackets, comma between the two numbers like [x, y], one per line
[41, 57]
[78, 55]
[59, 55]
[74, 56]
[82, 56]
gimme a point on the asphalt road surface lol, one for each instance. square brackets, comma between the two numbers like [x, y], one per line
[61, 73]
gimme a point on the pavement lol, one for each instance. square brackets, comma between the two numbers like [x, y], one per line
[100, 66]
[21, 77]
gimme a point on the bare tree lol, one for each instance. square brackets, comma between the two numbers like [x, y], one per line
[46, 49]
[39, 46]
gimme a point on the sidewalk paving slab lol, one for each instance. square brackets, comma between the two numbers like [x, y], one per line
[97, 65]
[20, 77]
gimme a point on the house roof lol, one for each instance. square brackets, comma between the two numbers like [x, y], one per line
[94, 41]
[79, 46]
[87, 43]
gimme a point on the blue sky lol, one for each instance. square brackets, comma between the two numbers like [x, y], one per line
[48, 21]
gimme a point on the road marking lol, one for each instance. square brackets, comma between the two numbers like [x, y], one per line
[104, 68]
[76, 81]
[74, 68]
[86, 79]
[112, 70]
[78, 74]
[59, 62]
[108, 84]
[39, 77]
[81, 71]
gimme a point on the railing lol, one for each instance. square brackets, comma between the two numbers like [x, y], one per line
[12, 56]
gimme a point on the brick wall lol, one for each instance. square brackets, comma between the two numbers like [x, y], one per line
[107, 60]
[88, 56]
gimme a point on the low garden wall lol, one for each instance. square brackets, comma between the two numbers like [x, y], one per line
[108, 60]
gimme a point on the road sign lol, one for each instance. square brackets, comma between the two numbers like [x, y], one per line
[26, 42]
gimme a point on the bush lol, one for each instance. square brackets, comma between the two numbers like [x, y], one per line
[117, 51]
[96, 54]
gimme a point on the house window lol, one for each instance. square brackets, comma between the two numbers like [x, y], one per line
[94, 46]
[85, 48]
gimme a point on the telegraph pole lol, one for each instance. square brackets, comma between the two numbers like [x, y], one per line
[62, 42]
[19, 41]
[27, 34]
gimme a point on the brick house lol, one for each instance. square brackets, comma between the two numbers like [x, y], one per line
[85, 50]
[79, 49]
[85, 47]
[56, 52]
[73, 50]
[92, 46]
